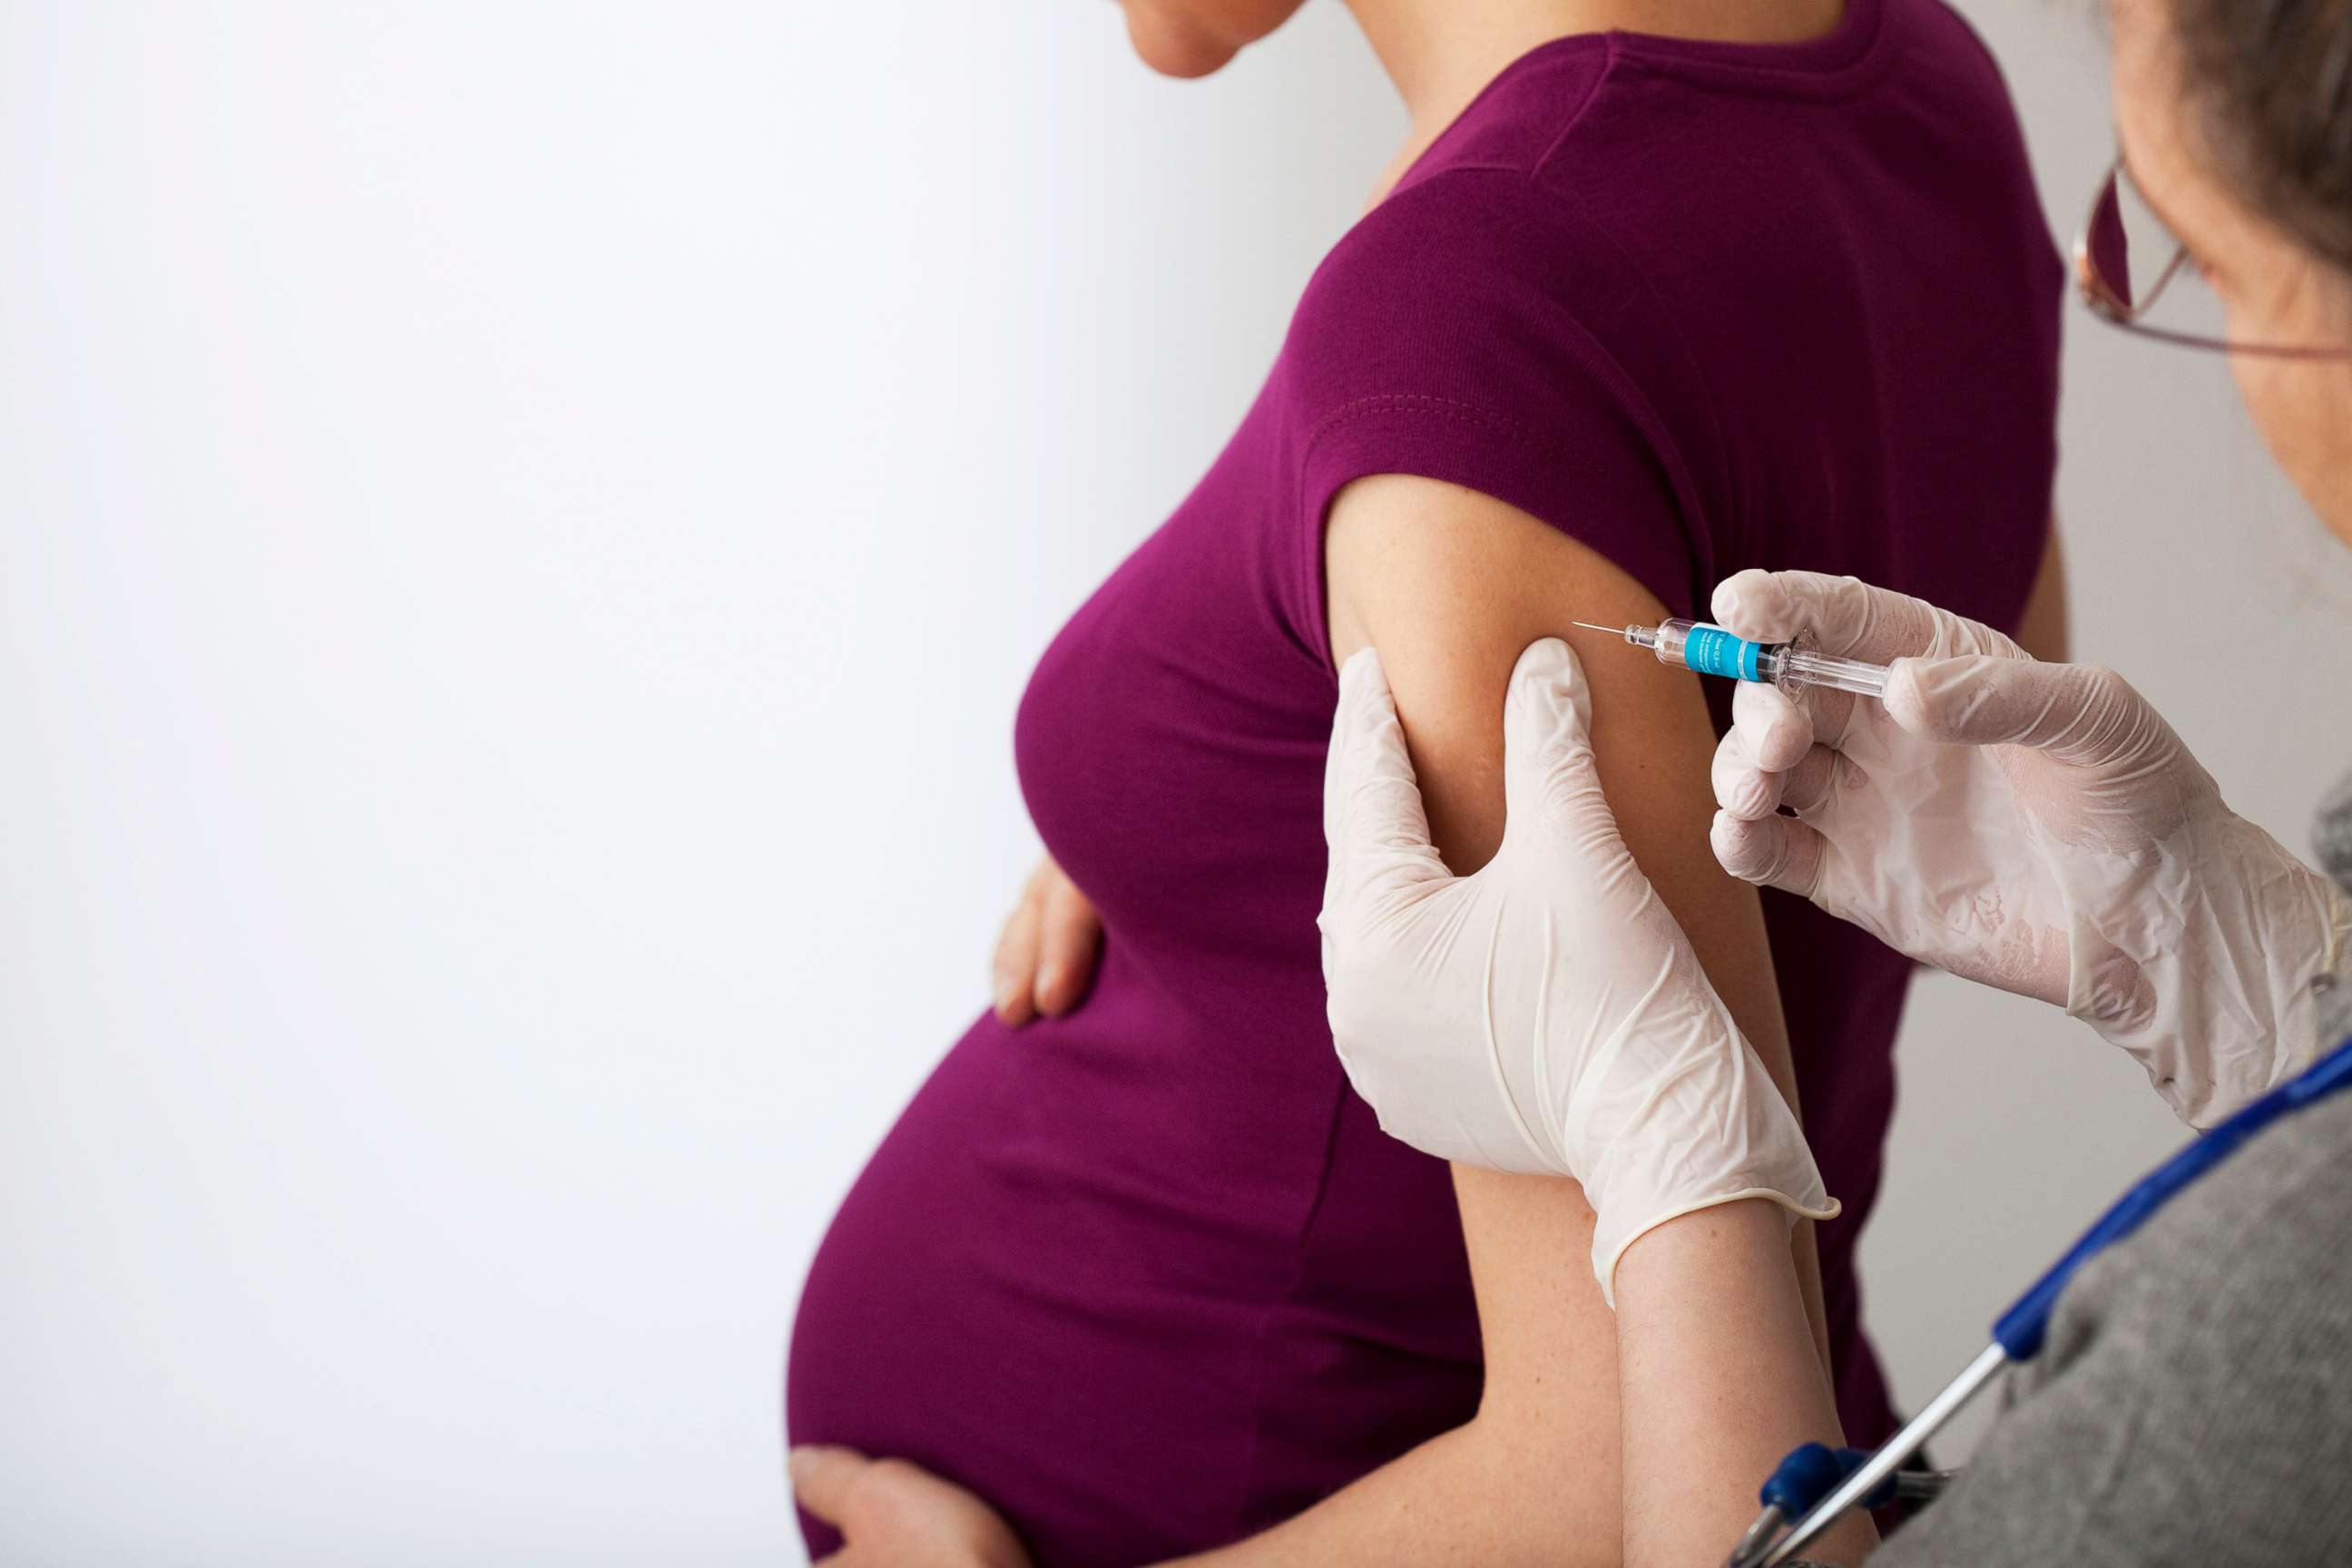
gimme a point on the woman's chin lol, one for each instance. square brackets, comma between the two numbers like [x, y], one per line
[1173, 46]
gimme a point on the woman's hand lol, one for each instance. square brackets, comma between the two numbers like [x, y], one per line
[2035, 826]
[1546, 1013]
[892, 1515]
[1046, 955]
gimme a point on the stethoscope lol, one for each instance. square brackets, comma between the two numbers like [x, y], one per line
[1816, 1484]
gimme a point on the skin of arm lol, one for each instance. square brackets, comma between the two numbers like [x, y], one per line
[1451, 585]
[1046, 954]
[1706, 1313]
[1715, 1386]
[2042, 630]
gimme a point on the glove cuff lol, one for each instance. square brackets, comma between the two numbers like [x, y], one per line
[2225, 998]
[1748, 1146]
[2332, 993]
[1608, 1245]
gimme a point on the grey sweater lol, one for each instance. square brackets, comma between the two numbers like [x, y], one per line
[2333, 839]
[2193, 1405]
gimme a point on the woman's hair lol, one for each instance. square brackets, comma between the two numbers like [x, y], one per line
[2274, 78]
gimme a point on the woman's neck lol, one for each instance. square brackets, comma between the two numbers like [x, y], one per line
[1441, 53]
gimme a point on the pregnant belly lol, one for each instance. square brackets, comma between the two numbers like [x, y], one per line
[1107, 1272]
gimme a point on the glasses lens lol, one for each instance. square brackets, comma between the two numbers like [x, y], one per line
[2128, 255]
[2106, 248]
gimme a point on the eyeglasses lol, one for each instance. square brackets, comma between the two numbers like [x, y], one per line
[2123, 225]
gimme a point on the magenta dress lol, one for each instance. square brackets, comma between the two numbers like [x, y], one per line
[1148, 1277]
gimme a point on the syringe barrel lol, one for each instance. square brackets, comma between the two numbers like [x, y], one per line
[1666, 641]
[1708, 649]
[1793, 668]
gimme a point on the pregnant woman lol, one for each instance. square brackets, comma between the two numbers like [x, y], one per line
[1656, 291]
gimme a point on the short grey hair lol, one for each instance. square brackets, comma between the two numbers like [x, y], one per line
[2274, 78]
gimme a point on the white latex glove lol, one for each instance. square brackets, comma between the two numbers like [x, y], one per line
[2035, 826]
[1546, 1013]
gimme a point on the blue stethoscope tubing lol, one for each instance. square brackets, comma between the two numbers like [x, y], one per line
[2018, 1334]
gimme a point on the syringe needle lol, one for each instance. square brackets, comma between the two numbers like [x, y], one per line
[1587, 625]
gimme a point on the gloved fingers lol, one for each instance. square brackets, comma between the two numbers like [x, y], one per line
[1069, 939]
[1373, 821]
[1015, 968]
[1819, 778]
[1550, 780]
[1845, 614]
[1777, 729]
[1770, 851]
[2078, 714]
[1742, 788]
[1747, 792]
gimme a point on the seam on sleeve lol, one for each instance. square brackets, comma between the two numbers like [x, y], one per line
[1670, 451]
[1423, 402]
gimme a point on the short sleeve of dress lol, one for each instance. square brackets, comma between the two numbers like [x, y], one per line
[1462, 333]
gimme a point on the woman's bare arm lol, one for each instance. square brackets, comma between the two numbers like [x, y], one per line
[1452, 585]
[2042, 629]
[1715, 1385]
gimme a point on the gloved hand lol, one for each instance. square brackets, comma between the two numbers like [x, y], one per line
[2035, 826]
[1546, 1013]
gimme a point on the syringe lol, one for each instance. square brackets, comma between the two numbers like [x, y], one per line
[1711, 650]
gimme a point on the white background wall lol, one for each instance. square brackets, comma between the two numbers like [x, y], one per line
[520, 531]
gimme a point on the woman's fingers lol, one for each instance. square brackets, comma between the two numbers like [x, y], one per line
[1016, 957]
[891, 1511]
[1771, 852]
[1069, 937]
[821, 1478]
[1046, 954]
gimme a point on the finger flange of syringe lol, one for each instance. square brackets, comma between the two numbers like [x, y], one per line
[1711, 650]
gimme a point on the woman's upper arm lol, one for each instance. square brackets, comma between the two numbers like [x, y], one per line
[1451, 585]
[2041, 629]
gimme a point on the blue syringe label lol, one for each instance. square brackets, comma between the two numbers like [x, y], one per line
[1711, 650]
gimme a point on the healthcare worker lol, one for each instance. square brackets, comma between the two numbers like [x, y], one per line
[2036, 826]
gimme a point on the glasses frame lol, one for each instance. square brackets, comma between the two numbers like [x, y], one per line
[2113, 309]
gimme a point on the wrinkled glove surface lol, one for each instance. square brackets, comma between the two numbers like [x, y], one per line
[1545, 1014]
[2036, 826]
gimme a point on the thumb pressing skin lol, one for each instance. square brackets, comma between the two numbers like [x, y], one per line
[1547, 767]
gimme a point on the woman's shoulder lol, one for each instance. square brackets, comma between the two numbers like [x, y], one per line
[1450, 234]
[1471, 274]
